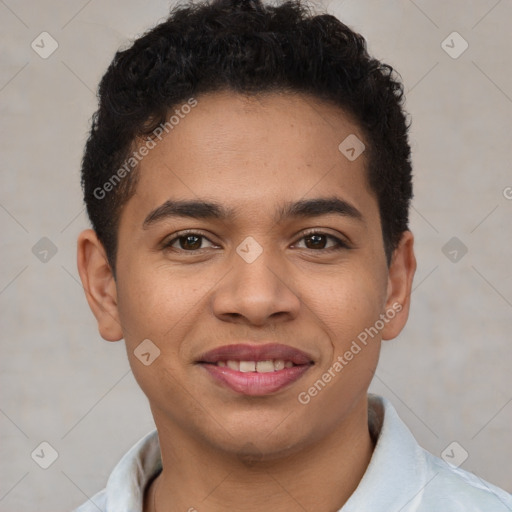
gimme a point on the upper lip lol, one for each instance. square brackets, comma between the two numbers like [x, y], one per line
[246, 352]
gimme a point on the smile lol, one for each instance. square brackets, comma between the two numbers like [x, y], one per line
[255, 370]
[256, 366]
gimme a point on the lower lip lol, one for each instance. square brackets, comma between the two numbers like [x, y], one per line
[254, 383]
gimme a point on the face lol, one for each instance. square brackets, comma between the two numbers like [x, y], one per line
[279, 243]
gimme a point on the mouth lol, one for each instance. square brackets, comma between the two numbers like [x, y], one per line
[266, 366]
[255, 370]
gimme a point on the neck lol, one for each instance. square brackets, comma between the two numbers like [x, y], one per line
[319, 477]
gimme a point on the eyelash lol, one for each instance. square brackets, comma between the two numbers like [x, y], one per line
[339, 244]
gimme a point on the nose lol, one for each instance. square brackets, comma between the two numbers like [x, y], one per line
[256, 292]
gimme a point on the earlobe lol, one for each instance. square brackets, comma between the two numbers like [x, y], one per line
[99, 284]
[400, 278]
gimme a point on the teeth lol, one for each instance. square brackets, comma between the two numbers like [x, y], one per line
[234, 365]
[278, 364]
[264, 366]
[259, 366]
[247, 366]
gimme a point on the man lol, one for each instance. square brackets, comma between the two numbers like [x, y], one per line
[248, 180]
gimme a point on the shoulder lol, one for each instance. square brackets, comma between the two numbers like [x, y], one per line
[404, 476]
[454, 489]
[127, 482]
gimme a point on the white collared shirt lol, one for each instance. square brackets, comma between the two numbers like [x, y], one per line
[401, 476]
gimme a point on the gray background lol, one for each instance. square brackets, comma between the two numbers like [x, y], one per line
[448, 373]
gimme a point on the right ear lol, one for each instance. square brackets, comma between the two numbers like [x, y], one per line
[99, 284]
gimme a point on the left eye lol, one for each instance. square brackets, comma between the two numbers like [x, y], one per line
[316, 239]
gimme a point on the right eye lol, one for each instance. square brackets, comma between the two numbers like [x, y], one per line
[189, 241]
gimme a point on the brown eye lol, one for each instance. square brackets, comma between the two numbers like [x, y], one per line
[318, 240]
[189, 242]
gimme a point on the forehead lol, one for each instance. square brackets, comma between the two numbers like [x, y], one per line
[249, 152]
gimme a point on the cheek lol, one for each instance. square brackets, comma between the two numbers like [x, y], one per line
[153, 308]
[151, 302]
[348, 307]
[348, 303]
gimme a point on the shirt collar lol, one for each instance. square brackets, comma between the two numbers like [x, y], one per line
[394, 478]
[398, 469]
[127, 482]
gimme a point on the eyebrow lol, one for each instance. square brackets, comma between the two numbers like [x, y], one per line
[217, 211]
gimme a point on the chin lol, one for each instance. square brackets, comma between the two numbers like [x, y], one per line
[251, 451]
[263, 441]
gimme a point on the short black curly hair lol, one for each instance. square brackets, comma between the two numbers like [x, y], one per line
[245, 46]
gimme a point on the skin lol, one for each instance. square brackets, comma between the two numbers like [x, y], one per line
[222, 450]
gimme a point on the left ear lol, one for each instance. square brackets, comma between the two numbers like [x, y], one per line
[400, 277]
